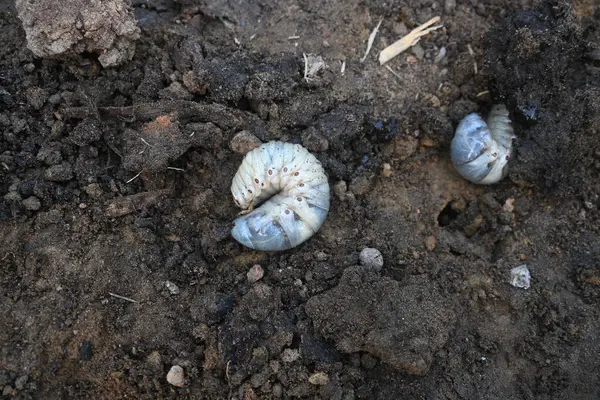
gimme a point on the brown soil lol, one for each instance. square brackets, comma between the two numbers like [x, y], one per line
[115, 181]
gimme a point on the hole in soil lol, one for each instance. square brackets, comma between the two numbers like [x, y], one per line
[296, 340]
[447, 215]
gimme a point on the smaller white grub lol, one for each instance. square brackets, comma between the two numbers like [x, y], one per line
[343, 68]
[173, 288]
[371, 258]
[175, 376]
[520, 277]
[440, 56]
[255, 273]
[319, 379]
[408, 41]
[312, 65]
[370, 41]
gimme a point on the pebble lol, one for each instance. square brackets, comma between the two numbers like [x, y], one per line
[361, 185]
[173, 288]
[255, 273]
[386, 170]
[418, 51]
[371, 258]
[12, 197]
[319, 379]
[175, 376]
[244, 141]
[59, 173]
[32, 203]
[49, 156]
[93, 190]
[86, 351]
[290, 355]
[29, 67]
[520, 277]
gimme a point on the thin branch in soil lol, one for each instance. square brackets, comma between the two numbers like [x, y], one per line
[222, 116]
[135, 177]
[371, 40]
[393, 72]
[472, 53]
[118, 296]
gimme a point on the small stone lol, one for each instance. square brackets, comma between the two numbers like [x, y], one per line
[55, 99]
[86, 351]
[173, 288]
[36, 97]
[371, 258]
[29, 67]
[59, 173]
[386, 170]
[176, 376]
[418, 51]
[290, 355]
[520, 277]
[430, 243]
[244, 141]
[32, 203]
[255, 273]
[340, 189]
[319, 379]
[314, 141]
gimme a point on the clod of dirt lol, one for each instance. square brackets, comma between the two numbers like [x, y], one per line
[67, 28]
[59, 173]
[161, 141]
[536, 60]
[402, 325]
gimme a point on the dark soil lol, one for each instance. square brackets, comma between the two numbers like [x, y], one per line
[116, 182]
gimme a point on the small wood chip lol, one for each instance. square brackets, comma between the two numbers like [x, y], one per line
[407, 41]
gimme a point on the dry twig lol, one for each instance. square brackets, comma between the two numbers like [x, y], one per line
[407, 41]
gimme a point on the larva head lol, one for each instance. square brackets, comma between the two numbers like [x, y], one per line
[241, 199]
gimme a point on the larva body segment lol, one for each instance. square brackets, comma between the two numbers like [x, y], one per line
[480, 151]
[293, 189]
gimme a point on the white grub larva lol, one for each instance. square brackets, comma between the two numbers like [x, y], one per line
[480, 151]
[294, 188]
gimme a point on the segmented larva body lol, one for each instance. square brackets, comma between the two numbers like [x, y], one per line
[294, 188]
[480, 151]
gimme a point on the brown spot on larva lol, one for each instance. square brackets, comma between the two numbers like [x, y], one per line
[296, 173]
[249, 191]
[255, 180]
[287, 212]
[299, 199]
[284, 169]
[270, 172]
[301, 185]
[507, 158]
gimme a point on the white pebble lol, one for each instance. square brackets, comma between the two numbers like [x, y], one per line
[255, 273]
[173, 288]
[371, 258]
[520, 277]
[176, 377]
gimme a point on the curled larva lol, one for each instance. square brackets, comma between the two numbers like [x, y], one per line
[480, 151]
[294, 188]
